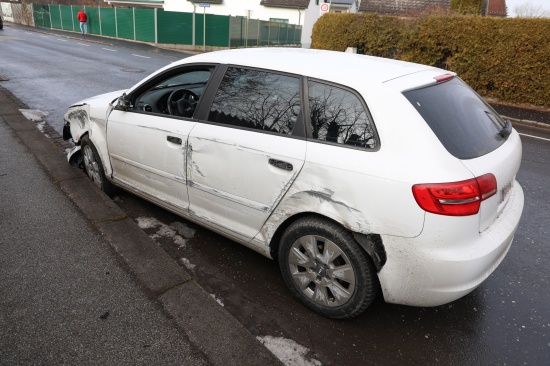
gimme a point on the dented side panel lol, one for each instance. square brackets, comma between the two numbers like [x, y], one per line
[337, 182]
[237, 177]
[148, 153]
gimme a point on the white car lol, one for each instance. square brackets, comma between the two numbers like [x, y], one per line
[356, 173]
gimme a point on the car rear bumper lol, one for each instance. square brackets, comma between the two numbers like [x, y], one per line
[430, 270]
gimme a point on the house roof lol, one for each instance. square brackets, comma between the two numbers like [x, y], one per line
[399, 6]
[207, 1]
[497, 8]
[297, 4]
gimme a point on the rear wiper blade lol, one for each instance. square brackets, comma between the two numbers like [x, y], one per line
[506, 130]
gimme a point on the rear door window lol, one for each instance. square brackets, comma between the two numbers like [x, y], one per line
[337, 115]
[257, 99]
[464, 123]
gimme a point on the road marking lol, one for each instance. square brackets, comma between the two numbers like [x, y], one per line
[83, 44]
[29, 32]
[535, 137]
[108, 49]
[62, 40]
[43, 36]
[140, 56]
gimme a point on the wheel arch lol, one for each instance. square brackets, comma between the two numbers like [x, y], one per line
[371, 243]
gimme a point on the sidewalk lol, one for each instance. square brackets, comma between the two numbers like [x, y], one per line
[81, 283]
[533, 117]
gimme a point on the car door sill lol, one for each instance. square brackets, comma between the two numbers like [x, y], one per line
[259, 247]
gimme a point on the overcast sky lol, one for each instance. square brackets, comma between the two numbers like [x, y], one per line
[511, 4]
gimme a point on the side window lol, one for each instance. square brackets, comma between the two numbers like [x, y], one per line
[257, 99]
[337, 115]
[175, 94]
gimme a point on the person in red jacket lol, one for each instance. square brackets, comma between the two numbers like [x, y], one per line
[82, 18]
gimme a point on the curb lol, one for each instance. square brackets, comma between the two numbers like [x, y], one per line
[211, 328]
[527, 123]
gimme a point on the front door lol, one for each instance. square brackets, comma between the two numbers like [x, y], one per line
[148, 154]
[147, 141]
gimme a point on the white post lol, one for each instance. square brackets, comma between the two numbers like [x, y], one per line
[99, 13]
[193, 32]
[156, 30]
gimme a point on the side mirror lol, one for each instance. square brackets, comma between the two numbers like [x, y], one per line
[124, 102]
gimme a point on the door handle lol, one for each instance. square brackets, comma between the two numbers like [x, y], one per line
[174, 140]
[281, 164]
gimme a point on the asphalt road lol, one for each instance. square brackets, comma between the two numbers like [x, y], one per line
[505, 321]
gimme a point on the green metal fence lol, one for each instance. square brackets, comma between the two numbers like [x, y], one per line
[251, 33]
[41, 14]
[107, 21]
[93, 23]
[165, 27]
[124, 19]
[174, 27]
[145, 25]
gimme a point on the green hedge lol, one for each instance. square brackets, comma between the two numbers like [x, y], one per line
[502, 59]
[467, 6]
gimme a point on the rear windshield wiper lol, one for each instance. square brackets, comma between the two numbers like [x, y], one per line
[506, 130]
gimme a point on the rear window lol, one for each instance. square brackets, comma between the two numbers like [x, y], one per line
[466, 125]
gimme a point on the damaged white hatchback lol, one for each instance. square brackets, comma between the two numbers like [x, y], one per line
[361, 175]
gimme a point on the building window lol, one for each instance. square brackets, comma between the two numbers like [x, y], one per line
[278, 20]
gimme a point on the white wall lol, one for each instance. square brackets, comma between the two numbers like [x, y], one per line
[312, 13]
[306, 18]
[6, 11]
[239, 8]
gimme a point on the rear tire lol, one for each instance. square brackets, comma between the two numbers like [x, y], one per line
[326, 269]
[94, 167]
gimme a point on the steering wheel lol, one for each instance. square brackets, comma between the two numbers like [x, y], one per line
[182, 102]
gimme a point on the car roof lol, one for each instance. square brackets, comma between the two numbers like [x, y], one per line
[339, 67]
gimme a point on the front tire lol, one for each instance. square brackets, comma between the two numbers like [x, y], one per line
[94, 168]
[326, 269]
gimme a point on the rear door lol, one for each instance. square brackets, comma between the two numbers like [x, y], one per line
[247, 151]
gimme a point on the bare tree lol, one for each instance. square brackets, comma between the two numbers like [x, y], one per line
[528, 10]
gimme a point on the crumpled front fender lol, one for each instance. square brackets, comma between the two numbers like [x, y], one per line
[77, 117]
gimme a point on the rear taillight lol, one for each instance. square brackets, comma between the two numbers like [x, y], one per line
[456, 198]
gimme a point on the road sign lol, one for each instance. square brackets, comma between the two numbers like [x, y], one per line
[325, 7]
[202, 5]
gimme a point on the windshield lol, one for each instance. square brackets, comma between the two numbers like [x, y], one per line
[189, 78]
[464, 123]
